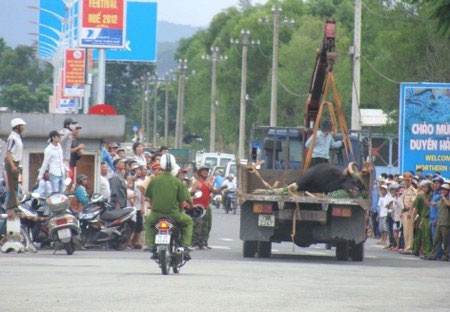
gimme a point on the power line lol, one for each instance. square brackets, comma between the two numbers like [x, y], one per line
[379, 73]
[409, 13]
[290, 92]
[260, 50]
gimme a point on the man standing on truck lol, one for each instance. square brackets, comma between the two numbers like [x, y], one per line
[324, 142]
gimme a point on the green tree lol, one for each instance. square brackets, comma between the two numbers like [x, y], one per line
[438, 10]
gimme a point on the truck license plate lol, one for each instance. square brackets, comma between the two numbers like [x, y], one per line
[162, 239]
[266, 220]
[64, 233]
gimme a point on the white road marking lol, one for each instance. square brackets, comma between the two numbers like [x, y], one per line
[225, 239]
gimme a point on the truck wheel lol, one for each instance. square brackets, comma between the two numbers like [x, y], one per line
[249, 249]
[264, 249]
[357, 252]
[342, 251]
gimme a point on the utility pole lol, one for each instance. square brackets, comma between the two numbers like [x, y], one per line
[356, 123]
[245, 42]
[214, 58]
[276, 12]
[155, 110]
[182, 66]
[147, 109]
[166, 110]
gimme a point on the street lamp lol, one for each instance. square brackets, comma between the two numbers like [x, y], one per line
[244, 42]
[214, 57]
[276, 12]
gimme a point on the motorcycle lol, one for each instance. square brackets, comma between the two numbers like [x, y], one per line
[101, 225]
[230, 201]
[34, 214]
[63, 226]
[23, 238]
[169, 251]
[217, 200]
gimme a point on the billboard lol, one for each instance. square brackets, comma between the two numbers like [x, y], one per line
[141, 34]
[74, 73]
[140, 28]
[424, 127]
[102, 24]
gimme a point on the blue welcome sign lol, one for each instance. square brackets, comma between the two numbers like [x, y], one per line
[424, 128]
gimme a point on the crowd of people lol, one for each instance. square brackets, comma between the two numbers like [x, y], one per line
[411, 214]
[127, 178]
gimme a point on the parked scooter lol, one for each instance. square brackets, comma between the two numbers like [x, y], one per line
[101, 225]
[63, 226]
[34, 214]
[7, 241]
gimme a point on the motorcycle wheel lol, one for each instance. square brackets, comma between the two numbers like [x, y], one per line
[164, 261]
[69, 247]
[121, 242]
[227, 207]
[26, 241]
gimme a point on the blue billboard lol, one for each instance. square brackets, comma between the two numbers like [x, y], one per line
[140, 30]
[424, 128]
[141, 34]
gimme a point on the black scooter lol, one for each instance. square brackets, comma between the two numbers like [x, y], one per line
[102, 225]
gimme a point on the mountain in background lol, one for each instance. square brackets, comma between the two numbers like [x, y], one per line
[170, 32]
[168, 37]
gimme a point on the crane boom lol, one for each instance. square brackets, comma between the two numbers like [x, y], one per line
[326, 56]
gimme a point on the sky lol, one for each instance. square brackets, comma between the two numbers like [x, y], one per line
[193, 12]
[15, 16]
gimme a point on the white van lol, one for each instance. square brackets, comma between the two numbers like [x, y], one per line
[231, 168]
[216, 159]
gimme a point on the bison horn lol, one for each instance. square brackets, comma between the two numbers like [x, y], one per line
[353, 170]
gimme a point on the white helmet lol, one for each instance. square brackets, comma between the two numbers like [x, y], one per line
[17, 122]
[168, 162]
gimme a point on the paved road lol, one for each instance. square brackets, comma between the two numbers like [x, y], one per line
[308, 279]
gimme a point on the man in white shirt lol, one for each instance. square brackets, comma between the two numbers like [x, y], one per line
[14, 151]
[105, 189]
[54, 163]
[229, 185]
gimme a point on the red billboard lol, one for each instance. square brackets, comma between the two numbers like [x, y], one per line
[102, 23]
[74, 74]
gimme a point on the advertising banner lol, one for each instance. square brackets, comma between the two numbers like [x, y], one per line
[140, 24]
[102, 24]
[62, 101]
[74, 73]
[424, 128]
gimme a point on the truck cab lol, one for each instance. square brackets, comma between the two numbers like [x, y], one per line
[283, 148]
